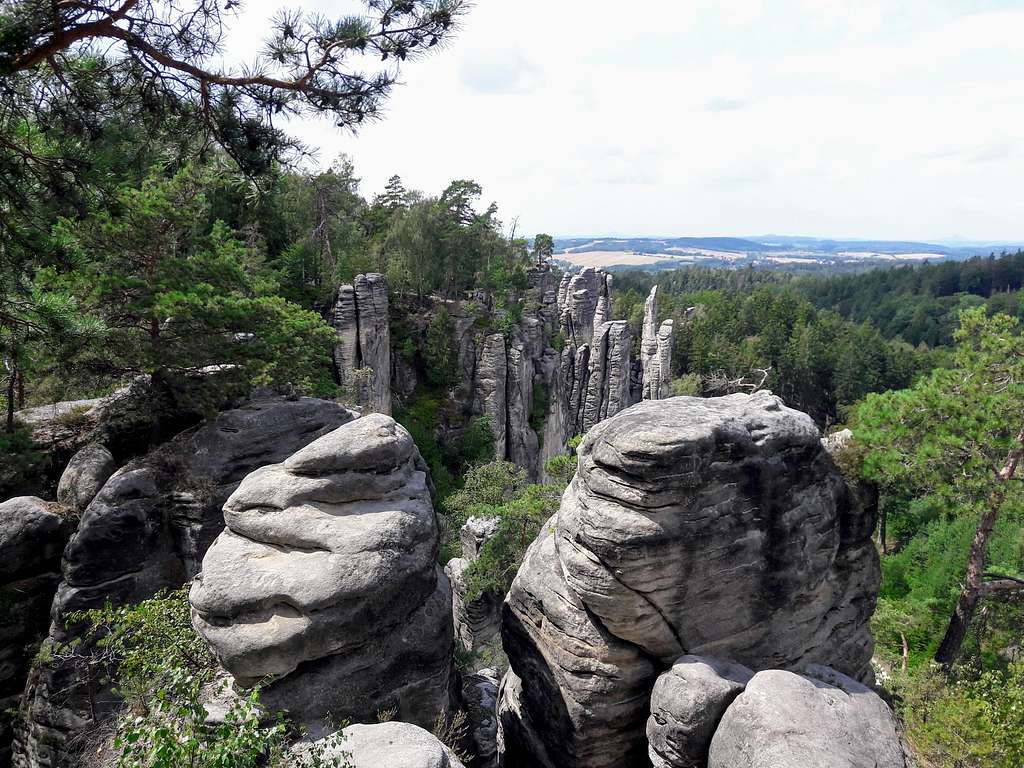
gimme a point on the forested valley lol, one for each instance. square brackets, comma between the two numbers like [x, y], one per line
[205, 332]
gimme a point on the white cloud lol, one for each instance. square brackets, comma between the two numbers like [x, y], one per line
[821, 117]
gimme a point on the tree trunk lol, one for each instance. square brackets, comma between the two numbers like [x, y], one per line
[882, 535]
[11, 380]
[973, 587]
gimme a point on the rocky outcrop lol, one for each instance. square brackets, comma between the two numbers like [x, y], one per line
[129, 422]
[693, 526]
[491, 388]
[85, 475]
[821, 717]
[148, 529]
[584, 303]
[390, 745]
[32, 536]
[362, 351]
[325, 580]
[476, 619]
[480, 694]
[608, 375]
[687, 703]
[655, 351]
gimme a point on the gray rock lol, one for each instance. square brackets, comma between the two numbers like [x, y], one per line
[687, 703]
[655, 351]
[704, 526]
[490, 390]
[383, 745]
[575, 695]
[608, 390]
[84, 476]
[147, 530]
[362, 351]
[480, 692]
[32, 535]
[475, 533]
[476, 620]
[786, 720]
[325, 578]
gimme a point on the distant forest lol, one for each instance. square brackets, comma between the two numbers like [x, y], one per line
[823, 343]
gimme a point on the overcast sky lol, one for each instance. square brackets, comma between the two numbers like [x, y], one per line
[837, 118]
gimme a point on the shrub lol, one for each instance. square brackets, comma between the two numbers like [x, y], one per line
[974, 722]
[165, 672]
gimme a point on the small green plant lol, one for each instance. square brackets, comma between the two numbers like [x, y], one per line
[165, 672]
[975, 721]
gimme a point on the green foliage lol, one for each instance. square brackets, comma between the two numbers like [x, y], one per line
[440, 357]
[500, 490]
[177, 297]
[688, 384]
[976, 721]
[936, 450]
[165, 672]
[724, 337]
[519, 521]
[420, 417]
[943, 437]
[22, 463]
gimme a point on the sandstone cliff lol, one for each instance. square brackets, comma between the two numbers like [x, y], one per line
[362, 352]
[715, 527]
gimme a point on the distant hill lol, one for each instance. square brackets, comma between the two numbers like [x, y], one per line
[790, 253]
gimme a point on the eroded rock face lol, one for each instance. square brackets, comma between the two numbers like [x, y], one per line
[325, 578]
[147, 530]
[704, 526]
[362, 352]
[480, 693]
[655, 351]
[477, 620]
[392, 744]
[687, 703]
[85, 475]
[787, 720]
[32, 536]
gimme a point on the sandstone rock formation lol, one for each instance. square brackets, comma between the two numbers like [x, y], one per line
[655, 351]
[475, 533]
[821, 717]
[85, 475]
[32, 536]
[476, 620]
[687, 703]
[383, 745]
[325, 580]
[362, 352]
[608, 390]
[480, 694]
[148, 529]
[704, 526]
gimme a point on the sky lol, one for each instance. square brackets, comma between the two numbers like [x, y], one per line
[896, 119]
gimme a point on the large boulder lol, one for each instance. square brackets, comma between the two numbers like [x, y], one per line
[822, 717]
[84, 476]
[687, 703]
[32, 536]
[713, 527]
[383, 745]
[147, 530]
[325, 580]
